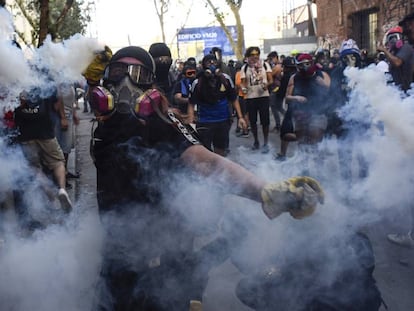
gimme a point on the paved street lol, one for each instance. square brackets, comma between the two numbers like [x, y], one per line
[394, 265]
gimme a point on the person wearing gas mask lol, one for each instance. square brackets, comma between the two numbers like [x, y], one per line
[350, 57]
[307, 91]
[137, 146]
[214, 93]
[400, 57]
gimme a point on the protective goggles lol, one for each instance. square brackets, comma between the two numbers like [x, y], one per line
[304, 64]
[394, 37]
[137, 73]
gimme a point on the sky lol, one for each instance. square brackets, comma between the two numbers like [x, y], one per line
[136, 22]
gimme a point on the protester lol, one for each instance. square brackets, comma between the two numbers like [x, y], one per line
[256, 76]
[346, 131]
[38, 141]
[213, 92]
[307, 91]
[137, 146]
[164, 77]
[242, 102]
[183, 86]
[65, 123]
[276, 105]
[287, 133]
[406, 239]
[400, 57]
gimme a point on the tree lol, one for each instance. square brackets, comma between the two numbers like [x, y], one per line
[234, 6]
[59, 18]
[162, 7]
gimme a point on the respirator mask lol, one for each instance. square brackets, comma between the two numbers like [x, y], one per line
[124, 90]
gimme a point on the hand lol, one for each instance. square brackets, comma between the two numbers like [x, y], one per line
[64, 124]
[298, 195]
[301, 99]
[242, 123]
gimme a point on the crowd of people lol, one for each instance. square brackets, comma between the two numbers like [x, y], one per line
[157, 125]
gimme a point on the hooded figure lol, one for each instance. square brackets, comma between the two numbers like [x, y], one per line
[162, 57]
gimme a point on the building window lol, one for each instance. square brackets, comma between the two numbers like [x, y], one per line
[364, 28]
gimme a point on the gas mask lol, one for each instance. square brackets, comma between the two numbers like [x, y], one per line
[124, 85]
[350, 60]
[125, 99]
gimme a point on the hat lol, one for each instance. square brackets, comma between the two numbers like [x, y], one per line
[406, 18]
[159, 49]
[349, 47]
[302, 57]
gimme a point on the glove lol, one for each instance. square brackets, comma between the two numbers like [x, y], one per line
[298, 195]
[95, 71]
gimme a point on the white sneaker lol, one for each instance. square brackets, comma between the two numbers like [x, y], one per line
[64, 200]
[195, 305]
[402, 239]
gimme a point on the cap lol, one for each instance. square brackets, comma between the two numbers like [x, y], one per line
[349, 47]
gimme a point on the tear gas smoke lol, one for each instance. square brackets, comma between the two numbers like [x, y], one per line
[58, 266]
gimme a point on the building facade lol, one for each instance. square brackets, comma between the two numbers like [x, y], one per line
[365, 21]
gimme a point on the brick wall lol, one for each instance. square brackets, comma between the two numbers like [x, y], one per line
[334, 22]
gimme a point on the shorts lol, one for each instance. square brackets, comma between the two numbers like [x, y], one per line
[261, 105]
[43, 153]
[215, 134]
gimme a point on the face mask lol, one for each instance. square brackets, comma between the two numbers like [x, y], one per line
[121, 97]
[350, 60]
[125, 96]
[306, 69]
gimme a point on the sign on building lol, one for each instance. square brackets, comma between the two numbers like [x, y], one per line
[210, 37]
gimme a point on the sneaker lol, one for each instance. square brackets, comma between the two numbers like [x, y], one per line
[245, 134]
[64, 200]
[255, 146]
[195, 305]
[72, 175]
[265, 148]
[401, 239]
[280, 157]
[238, 130]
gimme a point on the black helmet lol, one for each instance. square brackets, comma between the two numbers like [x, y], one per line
[144, 75]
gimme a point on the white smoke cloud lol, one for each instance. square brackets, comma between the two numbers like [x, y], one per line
[51, 261]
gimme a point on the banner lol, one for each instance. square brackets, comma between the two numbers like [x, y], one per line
[211, 36]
